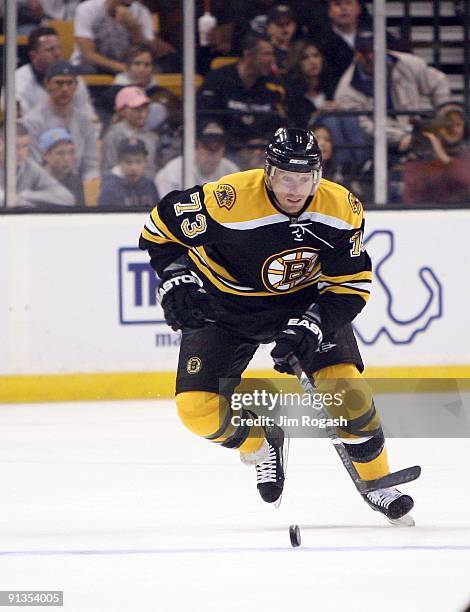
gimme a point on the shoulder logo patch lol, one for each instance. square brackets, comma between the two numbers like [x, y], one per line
[354, 203]
[225, 195]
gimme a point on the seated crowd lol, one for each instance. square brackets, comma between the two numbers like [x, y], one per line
[303, 64]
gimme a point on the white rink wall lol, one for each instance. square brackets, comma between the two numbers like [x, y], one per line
[78, 296]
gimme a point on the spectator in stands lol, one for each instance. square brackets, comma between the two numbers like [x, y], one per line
[210, 161]
[44, 49]
[58, 151]
[438, 166]
[59, 111]
[252, 154]
[338, 37]
[140, 67]
[105, 30]
[34, 186]
[253, 15]
[29, 15]
[164, 106]
[309, 95]
[281, 28]
[62, 10]
[219, 38]
[309, 88]
[245, 96]
[330, 169]
[126, 186]
[132, 107]
[409, 78]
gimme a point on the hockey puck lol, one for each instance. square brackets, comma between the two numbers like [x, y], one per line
[294, 533]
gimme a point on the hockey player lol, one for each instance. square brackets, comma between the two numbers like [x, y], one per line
[261, 256]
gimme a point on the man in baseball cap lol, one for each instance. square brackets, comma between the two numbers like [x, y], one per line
[210, 163]
[58, 153]
[281, 26]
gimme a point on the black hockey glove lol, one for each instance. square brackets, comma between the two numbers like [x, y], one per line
[184, 301]
[302, 338]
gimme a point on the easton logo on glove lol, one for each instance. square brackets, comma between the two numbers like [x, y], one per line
[184, 301]
[310, 325]
[301, 337]
[175, 281]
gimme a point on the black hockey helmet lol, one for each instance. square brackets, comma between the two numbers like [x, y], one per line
[295, 150]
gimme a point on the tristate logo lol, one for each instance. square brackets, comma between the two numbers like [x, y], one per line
[290, 269]
[225, 195]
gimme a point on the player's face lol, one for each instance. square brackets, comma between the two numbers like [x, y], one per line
[311, 62]
[291, 189]
[140, 69]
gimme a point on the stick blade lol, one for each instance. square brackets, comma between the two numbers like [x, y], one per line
[390, 480]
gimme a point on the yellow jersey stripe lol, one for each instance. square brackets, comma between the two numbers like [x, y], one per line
[346, 278]
[339, 289]
[221, 271]
[152, 238]
[161, 225]
[220, 283]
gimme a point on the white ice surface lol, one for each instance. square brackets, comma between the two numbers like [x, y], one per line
[120, 507]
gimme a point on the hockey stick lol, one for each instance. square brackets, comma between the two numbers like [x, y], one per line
[363, 486]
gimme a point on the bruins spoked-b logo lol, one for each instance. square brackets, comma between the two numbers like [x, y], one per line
[354, 203]
[225, 195]
[193, 365]
[290, 270]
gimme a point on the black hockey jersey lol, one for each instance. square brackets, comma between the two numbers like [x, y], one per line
[248, 252]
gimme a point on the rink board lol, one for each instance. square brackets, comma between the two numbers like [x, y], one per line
[79, 305]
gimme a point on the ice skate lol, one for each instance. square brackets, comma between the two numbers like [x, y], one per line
[270, 461]
[393, 504]
[270, 473]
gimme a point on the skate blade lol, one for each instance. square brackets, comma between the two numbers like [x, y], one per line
[285, 455]
[404, 521]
